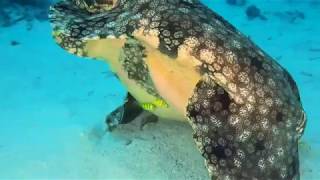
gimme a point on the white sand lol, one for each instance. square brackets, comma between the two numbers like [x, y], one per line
[53, 105]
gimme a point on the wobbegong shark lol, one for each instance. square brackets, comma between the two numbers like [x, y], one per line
[180, 60]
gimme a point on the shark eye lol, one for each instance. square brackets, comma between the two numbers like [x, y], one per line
[98, 5]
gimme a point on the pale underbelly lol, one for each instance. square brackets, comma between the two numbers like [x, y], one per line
[143, 97]
[174, 79]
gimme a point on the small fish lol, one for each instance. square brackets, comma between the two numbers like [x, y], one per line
[160, 103]
[148, 106]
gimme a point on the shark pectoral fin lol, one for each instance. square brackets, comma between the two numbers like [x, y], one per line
[124, 113]
[236, 145]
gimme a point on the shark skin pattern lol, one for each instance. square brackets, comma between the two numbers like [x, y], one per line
[244, 108]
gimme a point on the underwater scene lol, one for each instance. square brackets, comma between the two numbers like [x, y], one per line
[160, 89]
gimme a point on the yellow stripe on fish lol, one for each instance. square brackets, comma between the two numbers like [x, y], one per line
[148, 106]
[158, 103]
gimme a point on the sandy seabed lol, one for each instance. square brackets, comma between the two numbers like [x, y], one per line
[53, 105]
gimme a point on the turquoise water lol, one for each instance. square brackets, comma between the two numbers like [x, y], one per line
[53, 104]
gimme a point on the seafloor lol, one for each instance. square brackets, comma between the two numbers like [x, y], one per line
[53, 104]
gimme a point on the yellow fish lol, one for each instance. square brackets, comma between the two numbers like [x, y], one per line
[148, 106]
[160, 103]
